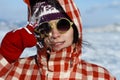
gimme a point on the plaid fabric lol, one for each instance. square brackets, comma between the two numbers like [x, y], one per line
[62, 65]
[72, 11]
[22, 69]
[28, 69]
[65, 65]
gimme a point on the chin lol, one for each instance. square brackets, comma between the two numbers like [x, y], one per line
[57, 48]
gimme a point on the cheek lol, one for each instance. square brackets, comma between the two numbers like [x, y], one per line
[69, 37]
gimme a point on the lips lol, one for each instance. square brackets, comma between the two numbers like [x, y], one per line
[56, 44]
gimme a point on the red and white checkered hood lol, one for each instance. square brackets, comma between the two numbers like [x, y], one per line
[71, 9]
[64, 59]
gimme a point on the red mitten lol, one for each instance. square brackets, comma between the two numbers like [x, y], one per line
[16, 41]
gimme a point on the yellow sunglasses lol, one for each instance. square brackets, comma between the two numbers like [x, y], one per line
[62, 25]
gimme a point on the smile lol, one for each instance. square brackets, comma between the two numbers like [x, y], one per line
[57, 44]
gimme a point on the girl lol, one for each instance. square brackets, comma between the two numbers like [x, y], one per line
[56, 30]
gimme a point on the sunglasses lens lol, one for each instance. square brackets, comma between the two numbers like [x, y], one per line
[63, 25]
[44, 28]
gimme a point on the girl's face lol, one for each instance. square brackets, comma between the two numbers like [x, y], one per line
[58, 40]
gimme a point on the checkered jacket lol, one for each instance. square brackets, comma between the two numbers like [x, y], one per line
[62, 65]
[65, 64]
[36, 68]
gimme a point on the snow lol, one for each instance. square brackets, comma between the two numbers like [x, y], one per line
[101, 47]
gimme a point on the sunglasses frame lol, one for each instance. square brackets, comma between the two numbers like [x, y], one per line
[37, 30]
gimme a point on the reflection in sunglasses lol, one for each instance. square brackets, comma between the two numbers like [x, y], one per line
[62, 25]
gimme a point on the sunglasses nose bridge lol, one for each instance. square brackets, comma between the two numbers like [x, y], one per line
[54, 32]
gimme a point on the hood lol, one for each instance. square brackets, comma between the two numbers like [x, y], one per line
[69, 7]
[69, 54]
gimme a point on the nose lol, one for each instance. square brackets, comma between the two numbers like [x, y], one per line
[55, 33]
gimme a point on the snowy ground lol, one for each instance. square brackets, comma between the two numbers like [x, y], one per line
[103, 49]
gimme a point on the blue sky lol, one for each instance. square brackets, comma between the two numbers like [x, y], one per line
[99, 12]
[93, 12]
